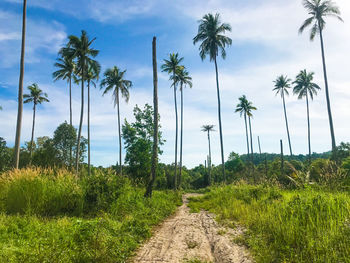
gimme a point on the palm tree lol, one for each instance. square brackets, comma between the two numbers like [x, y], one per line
[171, 66]
[319, 10]
[211, 35]
[92, 73]
[242, 108]
[20, 88]
[304, 87]
[250, 108]
[114, 81]
[183, 78]
[37, 97]
[80, 49]
[282, 84]
[208, 129]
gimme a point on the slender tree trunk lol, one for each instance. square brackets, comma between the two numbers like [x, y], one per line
[220, 126]
[32, 139]
[120, 137]
[259, 146]
[308, 127]
[327, 94]
[209, 160]
[89, 164]
[155, 121]
[285, 117]
[251, 140]
[176, 120]
[282, 159]
[181, 135]
[246, 132]
[70, 117]
[20, 89]
[81, 120]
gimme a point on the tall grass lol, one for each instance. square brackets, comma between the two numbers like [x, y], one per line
[285, 226]
[53, 216]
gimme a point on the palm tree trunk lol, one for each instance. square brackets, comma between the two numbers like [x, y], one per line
[120, 137]
[246, 132]
[327, 94]
[70, 116]
[181, 135]
[81, 120]
[155, 121]
[220, 126]
[32, 139]
[251, 140]
[89, 167]
[20, 89]
[308, 127]
[209, 160]
[176, 120]
[285, 116]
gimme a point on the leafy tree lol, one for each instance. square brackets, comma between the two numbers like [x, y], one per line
[234, 163]
[64, 140]
[183, 79]
[20, 89]
[242, 108]
[318, 11]
[211, 35]
[37, 96]
[172, 66]
[138, 143]
[114, 81]
[282, 84]
[79, 50]
[208, 129]
[5, 156]
[304, 87]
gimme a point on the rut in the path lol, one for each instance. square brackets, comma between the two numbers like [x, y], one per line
[187, 236]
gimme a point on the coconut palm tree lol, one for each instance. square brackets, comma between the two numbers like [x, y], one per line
[114, 81]
[92, 74]
[282, 84]
[171, 66]
[79, 50]
[304, 87]
[318, 11]
[242, 108]
[37, 96]
[20, 88]
[250, 109]
[211, 35]
[182, 78]
[208, 129]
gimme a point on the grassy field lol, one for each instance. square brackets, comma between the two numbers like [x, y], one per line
[284, 226]
[53, 216]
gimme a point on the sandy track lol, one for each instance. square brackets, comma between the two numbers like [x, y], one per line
[187, 236]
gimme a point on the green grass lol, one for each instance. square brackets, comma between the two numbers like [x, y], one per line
[285, 226]
[54, 217]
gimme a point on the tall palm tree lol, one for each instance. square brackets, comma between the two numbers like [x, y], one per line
[304, 87]
[171, 66]
[20, 88]
[80, 50]
[37, 96]
[318, 11]
[250, 109]
[242, 108]
[92, 74]
[183, 78]
[114, 81]
[211, 35]
[208, 129]
[282, 84]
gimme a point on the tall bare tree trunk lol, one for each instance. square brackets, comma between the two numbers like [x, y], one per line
[89, 167]
[81, 120]
[282, 158]
[246, 132]
[177, 128]
[155, 121]
[20, 89]
[70, 117]
[334, 146]
[181, 135]
[285, 117]
[120, 137]
[251, 140]
[209, 160]
[32, 138]
[220, 126]
[308, 127]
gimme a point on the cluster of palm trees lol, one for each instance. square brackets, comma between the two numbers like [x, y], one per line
[180, 78]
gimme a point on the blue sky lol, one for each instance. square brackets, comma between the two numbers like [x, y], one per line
[265, 44]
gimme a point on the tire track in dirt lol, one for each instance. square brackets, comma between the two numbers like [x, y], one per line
[187, 236]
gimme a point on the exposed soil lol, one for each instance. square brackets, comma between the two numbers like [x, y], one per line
[187, 236]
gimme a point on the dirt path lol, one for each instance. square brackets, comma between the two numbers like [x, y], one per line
[188, 236]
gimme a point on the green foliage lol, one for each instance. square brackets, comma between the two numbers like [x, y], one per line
[64, 140]
[285, 226]
[5, 156]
